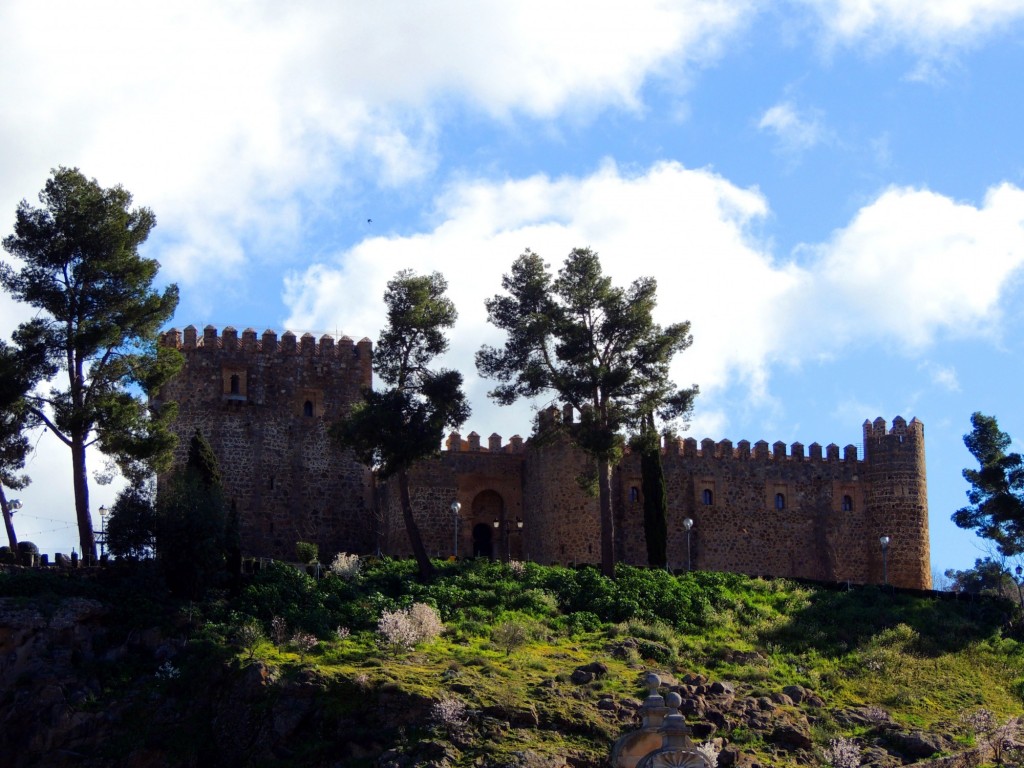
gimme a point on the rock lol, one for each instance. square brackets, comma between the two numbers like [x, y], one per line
[796, 692]
[693, 707]
[606, 705]
[876, 757]
[790, 736]
[702, 731]
[722, 689]
[596, 668]
[526, 759]
[781, 699]
[918, 744]
[581, 677]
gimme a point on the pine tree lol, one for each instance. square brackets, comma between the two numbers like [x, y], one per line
[98, 317]
[595, 346]
[394, 427]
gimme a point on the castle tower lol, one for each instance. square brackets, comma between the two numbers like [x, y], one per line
[897, 504]
[266, 405]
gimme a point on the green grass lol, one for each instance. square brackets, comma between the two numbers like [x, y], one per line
[923, 660]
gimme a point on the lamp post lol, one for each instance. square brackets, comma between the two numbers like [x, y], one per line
[496, 545]
[455, 507]
[103, 529]
[884, 541]
[688, 525]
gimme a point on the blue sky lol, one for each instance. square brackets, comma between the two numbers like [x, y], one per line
[831, 192]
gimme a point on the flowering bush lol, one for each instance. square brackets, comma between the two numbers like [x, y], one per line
[248, 635]
[449, 711]
[404, 629]
[304, 642]
[709, 752]
[342, 633]
[842, 753]
[986, 729]
[346, 566]
[428, 624]
[279, 630]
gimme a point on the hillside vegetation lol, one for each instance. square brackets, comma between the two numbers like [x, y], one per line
[533, 666]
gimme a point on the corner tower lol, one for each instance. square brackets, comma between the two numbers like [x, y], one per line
[897, 503]
[266, 405]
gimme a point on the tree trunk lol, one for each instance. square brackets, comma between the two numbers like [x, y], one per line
[80, 478]
[604, 483]
[8, 523]
[412, 530]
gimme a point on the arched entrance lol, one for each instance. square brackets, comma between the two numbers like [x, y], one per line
[483, 543]
[488, 509]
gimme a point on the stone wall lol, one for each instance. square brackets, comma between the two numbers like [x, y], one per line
[791, 511]
[265, 406]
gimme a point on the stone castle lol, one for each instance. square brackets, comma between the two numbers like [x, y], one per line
[266, 404]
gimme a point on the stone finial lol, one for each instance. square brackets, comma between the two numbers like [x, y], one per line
[308, 344]
[796, 450]
[474, 441]
[778, 450]
[850, 453]
[288, 343]
[814, 451]
[269, 340]
[190, 336]
[454, 441]
[229, 338]
[494, 442]
[172, 338]
[326, 345]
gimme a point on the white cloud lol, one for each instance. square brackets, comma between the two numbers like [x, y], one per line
[796, 130]
[914, 264]
[943, 375]
[227, 118]
[927, 28]
[910, 267]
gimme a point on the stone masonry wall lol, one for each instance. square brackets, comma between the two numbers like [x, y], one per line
[265, 406]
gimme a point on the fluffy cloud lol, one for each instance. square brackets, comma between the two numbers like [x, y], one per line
[911, 266]
[926, 28]
[795, 130]
[230, 119]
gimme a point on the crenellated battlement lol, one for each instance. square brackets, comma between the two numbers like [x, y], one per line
[455, 444]
[759, 451]
[267, 343]
[900, 428]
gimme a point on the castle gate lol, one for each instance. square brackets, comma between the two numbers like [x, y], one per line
[488, 525]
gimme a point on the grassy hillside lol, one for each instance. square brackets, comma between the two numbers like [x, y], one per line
[506, 682]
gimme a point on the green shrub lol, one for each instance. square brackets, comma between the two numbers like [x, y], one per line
[307, 552]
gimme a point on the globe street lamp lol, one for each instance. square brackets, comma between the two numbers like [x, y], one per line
[688, 525]
[884, 541]
[455, 507]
